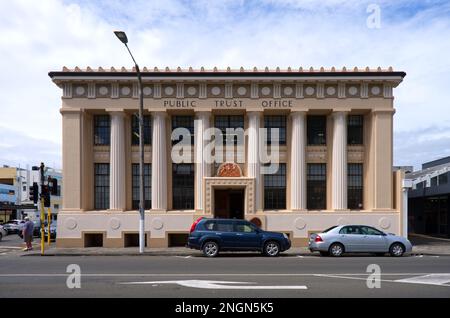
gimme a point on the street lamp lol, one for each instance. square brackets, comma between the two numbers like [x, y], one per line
[123, 38]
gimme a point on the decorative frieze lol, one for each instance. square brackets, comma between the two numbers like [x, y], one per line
[276, 90]
[202, 91]
[299, 90]
[320, 90]
[254, 90]
[364, 90]
[157, 90]
[180, 90]
[341, 90]
[67, 90]
[387, 90]
[135, 89]
[229, 90]
[115, 90]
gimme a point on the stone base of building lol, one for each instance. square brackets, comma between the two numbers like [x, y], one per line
[169, 229]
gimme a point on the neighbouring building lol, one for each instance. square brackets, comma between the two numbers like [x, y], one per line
[18, 182]
[429, 199]
[334, 147]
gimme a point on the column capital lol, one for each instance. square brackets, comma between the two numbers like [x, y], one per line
[158, 113]
[344, 111]
[118, 111]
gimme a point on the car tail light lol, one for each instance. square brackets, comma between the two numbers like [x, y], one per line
[318, 239]
[195, 224]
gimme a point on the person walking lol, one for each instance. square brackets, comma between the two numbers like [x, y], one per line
[27, 232]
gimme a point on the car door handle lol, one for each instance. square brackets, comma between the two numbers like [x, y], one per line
[218, 233]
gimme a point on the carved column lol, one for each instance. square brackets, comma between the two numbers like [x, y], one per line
[339, 161]
[201, 166]
[298, 161]
[159, 162]
[253, 164]
[117, 162]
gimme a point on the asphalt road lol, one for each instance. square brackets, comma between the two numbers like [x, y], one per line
[228, 276]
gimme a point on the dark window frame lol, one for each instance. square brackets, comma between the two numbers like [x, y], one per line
[355, 186]
[101, 186]
[276, 121]
[223, 122]
[102, 130]
[275, 189]
[355, 129]
[183, 121]
[316, 126]
[183, 187]
[135, 130]
[147, 186]
[316, 186]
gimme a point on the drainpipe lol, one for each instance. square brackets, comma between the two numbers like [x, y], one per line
[406, 185]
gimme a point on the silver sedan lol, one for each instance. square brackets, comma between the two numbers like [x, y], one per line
[338, 240]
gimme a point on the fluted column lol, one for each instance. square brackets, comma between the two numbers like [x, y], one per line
[201, 166]
[253, 164]
[298, 161]
[117, 162]
[159, 162]
[339, 161]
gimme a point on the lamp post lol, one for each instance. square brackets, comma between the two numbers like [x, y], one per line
[123, 38]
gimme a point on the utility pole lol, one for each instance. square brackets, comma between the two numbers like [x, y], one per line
[41, 169]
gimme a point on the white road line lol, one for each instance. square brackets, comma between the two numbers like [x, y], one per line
[214, 284]
[431, 279]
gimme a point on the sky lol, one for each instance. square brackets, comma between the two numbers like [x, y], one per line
[39, 36]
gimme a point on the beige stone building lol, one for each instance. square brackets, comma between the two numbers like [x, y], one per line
[335, 152]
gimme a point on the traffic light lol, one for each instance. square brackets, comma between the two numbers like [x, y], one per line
[34, 193]
[45, 193]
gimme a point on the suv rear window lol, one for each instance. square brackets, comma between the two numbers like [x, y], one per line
[219, 226]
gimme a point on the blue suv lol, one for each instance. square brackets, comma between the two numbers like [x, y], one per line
[214, 235]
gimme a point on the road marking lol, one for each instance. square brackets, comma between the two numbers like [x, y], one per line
[214, 284]
[431, 279]
[183, 256]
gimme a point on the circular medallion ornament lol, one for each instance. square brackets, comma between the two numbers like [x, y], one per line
[241, 90]
[352, 90]
[157, 224]
[125, 90]
[147, 90]
[80, 90]
[300, 223]
[309, 90]
[256, 221]
[375, 90]
[288, 91]
[331, 90]
[114, 223]
[70, 223]
[265, 91]
[191, 91]
[215, 90]
[169, 90]
[384, 223]
[103, 90]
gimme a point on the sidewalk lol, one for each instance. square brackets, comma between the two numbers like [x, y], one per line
[422, 245]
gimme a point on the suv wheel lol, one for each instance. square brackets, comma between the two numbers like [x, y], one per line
[272, 249]
[211, 249]
[336, 249]
[397, 249]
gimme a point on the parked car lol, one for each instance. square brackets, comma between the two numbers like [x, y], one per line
[13, 226]
[338, 240]
[3, 232]
[37, 229]
[214, 235]
[52, 231]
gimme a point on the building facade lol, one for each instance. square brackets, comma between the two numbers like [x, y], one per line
[429, 199]
[331, 141]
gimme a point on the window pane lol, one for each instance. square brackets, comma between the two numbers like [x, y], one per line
[275, 189]
[135, 129]
[275, 122]
[102, 130]
[147, 186]
[316, 186]
[316, 130]
[233, 122]
[183, 122]
[355, 129]
[355, 186]
[101, 186]
[183, 186]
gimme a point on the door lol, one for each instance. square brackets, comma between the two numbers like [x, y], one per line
[374, 240]
[352, 238]
[229, 203]
[225, 231]
[221, 201]
[247, 236]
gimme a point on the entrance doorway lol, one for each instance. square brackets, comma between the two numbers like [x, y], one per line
[229, 203]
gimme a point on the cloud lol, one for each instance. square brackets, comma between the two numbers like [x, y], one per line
[38, 36]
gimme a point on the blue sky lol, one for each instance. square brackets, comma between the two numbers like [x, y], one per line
[39, 36]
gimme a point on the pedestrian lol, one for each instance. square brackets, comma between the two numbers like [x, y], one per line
[27, 232]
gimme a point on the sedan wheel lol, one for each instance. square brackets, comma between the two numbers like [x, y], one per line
[211, 249]
[397, 250]
[336, 249]
[272, 249]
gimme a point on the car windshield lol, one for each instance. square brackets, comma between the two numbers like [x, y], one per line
[329, 229]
